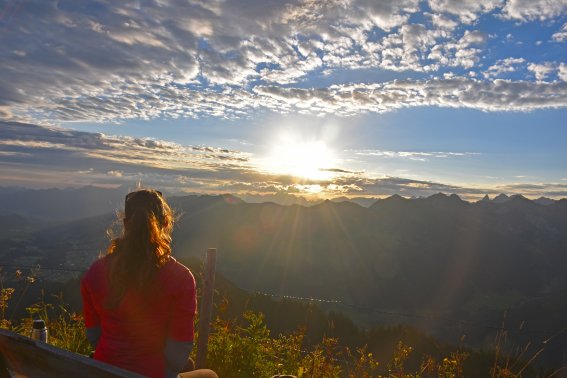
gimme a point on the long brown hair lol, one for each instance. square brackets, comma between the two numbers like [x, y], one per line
[143, 247]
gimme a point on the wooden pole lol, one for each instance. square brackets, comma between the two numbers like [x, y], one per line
[206, 308]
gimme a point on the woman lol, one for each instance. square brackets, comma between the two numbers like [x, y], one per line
[138, 301]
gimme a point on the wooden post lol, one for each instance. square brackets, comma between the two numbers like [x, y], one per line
[206, 308]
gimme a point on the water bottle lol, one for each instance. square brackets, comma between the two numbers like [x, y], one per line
[39, 331]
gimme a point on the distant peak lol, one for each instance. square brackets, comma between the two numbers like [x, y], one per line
[519, 197]
[231, 199]
[486, 198]
[443, 197]
[438, 195]
[544, 201]
[393, 200]
[395, 197]
[501, 198]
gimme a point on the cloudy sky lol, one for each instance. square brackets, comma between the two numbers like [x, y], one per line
[274, 97]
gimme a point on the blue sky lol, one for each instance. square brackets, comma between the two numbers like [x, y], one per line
[266, 99]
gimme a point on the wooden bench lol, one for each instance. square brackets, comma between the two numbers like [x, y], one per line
[21, 356]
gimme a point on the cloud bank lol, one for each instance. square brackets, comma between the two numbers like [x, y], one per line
[39, 156]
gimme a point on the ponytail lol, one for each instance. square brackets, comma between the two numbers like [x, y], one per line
[144, 246]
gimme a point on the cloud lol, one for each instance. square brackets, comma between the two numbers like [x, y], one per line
[387, 186]
[562, 71]
[41, 146]
[503, 66]
[561, 35]
[467, 10]
[115, 173]
[541, 71]
[528, 10]
[44, 156]
[412, 155]
[388, 13]
[5, 112]
[470, 11]
[442, 22]
[498, 95]
[554, 190]
[348, 185]
[106, 62]
[345, 100]
[339, 170]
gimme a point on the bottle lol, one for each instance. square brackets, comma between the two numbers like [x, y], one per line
[39, 331]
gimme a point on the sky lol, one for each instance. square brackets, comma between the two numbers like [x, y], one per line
[275, 99]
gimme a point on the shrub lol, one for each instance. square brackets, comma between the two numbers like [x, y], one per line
[248, 350]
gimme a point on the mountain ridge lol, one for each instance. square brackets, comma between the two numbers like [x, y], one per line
[68, 204]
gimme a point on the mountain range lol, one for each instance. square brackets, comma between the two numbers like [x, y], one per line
[453, 268]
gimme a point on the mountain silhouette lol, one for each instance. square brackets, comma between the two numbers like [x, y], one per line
[435, 255]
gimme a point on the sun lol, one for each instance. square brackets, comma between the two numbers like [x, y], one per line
[309, 159]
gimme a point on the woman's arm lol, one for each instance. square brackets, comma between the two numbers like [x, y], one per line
[92, 320]
[93, 334]
[176, 353]
[179, 341]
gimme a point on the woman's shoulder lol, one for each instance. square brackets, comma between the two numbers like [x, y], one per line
[173, 270]
[101, 263]
[96, 271]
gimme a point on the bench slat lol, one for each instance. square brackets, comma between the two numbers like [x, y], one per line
[26, 357]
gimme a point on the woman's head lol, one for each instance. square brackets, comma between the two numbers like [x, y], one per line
[147, 207]
[144, 246]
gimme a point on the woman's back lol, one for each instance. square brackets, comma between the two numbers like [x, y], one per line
[138, 302]
[135, 331]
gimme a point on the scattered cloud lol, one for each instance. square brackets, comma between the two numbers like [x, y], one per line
[561, 35]
[498, 95]
[468, 11]
[529, 10]
[412, 155]
[562, 71]
[541, 71]
[442, 22]
[345, 100]
[503, 66]
[109, 62]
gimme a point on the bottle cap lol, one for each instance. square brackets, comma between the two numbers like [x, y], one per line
[38, 324]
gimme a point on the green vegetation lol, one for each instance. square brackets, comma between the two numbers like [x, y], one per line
[244, 347]
[66, 329]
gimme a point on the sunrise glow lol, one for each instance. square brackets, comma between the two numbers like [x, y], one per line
[309, 160]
